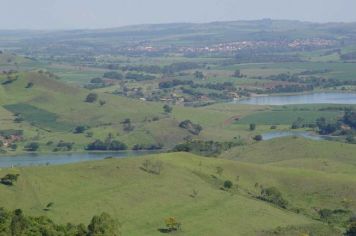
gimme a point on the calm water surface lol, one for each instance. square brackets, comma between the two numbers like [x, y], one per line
[59, 159]
[312, 98]
[303, 134]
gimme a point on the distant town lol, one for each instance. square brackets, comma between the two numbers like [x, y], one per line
[234, 46]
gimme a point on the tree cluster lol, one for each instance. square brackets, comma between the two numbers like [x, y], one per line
[191, 127]
[16, 223]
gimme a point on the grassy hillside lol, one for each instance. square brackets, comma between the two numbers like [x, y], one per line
[187, 188]
[320, 173]
[51, 110]
[293, 149]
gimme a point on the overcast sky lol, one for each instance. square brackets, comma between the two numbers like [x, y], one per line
[69, 14]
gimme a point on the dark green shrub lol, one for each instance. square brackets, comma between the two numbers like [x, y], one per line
[80, 129]
[191, 127]
[273, 195]
[351, 231]
[9, 179]
[91, 98]
[13, 146]
[228, 184]
[113, 75]
[252, 127]
[103, 225]
[29, 85]
[167, 108]
[32, 147]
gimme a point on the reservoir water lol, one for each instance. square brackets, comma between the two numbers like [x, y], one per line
[33, 159]
[310, 98]
[303, 134]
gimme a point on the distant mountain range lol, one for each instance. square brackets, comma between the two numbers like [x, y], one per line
[178, 34]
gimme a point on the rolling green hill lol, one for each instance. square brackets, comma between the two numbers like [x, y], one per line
[320, 173]
[187, 188]
[51, 110]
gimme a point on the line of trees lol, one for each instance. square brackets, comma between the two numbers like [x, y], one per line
[16, 223]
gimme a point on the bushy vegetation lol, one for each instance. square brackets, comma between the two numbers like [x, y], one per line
[91, 98]
[228, 184]
[80, 129]
[63, 146]
[107, 145]
[152, 167]
[191, 127]
[127, 125]
[258, 138]
[17, 223]
[172, 225]
[343, 126]
[32, 147]
[138, 147]
[273, 195]
[207, 148]
[167, 109]
[111, 75]
[139, 76]
[9, 179]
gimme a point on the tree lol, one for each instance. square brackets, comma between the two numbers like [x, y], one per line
[18, 223]
[252, 127]
[102, 102]
[167, 108]
[91, 98]
[191, 127]
[128, 127]
[113, 75]
[13, 146]
[49, 206]
[103, 225]
[172, 224]
[29, 85]
[350, 118]
[152, 167]
[325, 214]
[9, 179]
[97, 145]
[32, 147]
[199, 75]
[350, 138]
[237, 74]
[96, 81]
[117, 146]
[299, 123]
[351, 231]
[228, 184]
[109, 144]
[80, 129]
[273, 195]
[18, 119]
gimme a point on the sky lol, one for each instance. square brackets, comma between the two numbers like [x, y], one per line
[83, 14]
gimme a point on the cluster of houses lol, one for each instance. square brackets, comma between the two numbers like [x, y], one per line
[8, 140]
[234, 46]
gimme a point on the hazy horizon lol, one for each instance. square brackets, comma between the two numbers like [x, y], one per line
[92, 14]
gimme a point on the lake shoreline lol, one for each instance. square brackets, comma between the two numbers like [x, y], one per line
[40, 159]
[332, 98]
